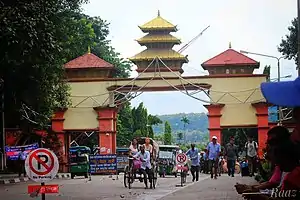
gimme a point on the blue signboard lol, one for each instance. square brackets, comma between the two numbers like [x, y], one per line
[12, 152]
[273, 114]
[103, 164]
[122, 162]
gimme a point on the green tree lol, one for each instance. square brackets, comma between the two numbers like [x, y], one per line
[152, 120]
[32, 58]
[288, 46]
[168, 133]
[185, 122]
[140, 119]
[267, 72]
[180, 136]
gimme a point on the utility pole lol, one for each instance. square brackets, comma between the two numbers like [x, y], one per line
[298, 35]
[3, 164]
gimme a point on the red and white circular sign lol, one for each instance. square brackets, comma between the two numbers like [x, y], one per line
[181, 158]
[41, 165]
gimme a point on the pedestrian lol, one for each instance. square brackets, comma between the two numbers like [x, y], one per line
[21, 161]
[193, 153]
[251, 149]
[285, 156]
[145, 169]
[213, 152]
[231, 155]
[205, 158]
[276, 136]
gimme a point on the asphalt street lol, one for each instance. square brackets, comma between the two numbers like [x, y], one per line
[99, 188]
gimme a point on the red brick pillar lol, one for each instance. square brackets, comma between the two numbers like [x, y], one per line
[107, 118]
[262, 115]
[214, 120]
[58, 127]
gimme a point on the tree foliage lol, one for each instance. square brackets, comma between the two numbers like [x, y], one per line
[134, 122]
[185, 121]
[37, 39]
[288, 46]
[168, 133]
[267, 72]
[32, 58]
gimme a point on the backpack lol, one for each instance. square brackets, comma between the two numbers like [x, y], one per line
[255, 146]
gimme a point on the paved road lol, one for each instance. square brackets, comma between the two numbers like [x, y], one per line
[210, 189]
[100, 188]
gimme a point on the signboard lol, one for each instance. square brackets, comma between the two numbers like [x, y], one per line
[122, 161]
[44, 189]
[12, 152]
[41, 165]
[181, 158]
[273, 114]
[103, 164]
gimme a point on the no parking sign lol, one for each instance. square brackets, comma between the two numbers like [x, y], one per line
[41, 165]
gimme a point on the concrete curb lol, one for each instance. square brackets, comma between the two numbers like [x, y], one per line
[11, 180]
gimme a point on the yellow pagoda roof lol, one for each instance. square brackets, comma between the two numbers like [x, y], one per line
[158, 23]
[150, 38]
[164, 54]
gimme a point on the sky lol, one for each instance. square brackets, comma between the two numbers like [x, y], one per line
[251, 25]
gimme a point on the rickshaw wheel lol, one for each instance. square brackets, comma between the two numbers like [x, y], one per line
[155, 172]
[125, 176]
[129, 179]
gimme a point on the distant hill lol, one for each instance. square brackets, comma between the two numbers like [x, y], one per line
[196, 130]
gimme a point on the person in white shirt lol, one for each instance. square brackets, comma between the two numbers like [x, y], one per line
[251, 148]
[146, 168]
[134, 147]
[21, 159]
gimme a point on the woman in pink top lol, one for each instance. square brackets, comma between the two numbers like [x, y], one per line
[134, 147]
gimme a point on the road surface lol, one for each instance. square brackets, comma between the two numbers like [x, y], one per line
[100, 188]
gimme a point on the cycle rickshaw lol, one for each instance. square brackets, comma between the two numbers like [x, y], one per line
[131, 174]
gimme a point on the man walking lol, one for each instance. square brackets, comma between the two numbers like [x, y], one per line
[213, 152]
[251, 148]
[193, 153]
[231, 155]
[146, 168]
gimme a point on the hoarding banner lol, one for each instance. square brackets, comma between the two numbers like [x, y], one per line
[12, 152]
[103, 164]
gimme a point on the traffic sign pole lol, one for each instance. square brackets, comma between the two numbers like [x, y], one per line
[181, 160]
[41, 165]
[43, 194]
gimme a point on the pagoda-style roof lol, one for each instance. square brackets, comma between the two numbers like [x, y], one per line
[164, 54]
[232, 58]
[88, 61]
[158, 24]
[153, 38]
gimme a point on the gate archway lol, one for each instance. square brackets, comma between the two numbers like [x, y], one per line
[233, 92]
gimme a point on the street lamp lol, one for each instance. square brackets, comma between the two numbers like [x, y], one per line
[278, 72]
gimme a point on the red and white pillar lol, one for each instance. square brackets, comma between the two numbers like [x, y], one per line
[262, 115]
[107, 118]
[214, 120]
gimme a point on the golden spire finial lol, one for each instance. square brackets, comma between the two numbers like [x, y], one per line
[158, 13]
[229, 45]
[89, 49]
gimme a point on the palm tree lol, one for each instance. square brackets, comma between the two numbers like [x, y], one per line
[185, 121]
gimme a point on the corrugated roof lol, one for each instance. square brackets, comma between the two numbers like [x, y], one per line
[230, 57]
[158, 23]
[166, 54]
[152, 38]
[87, 60]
